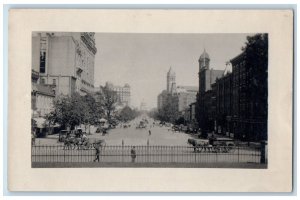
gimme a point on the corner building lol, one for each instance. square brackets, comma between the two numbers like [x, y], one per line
[65, 60]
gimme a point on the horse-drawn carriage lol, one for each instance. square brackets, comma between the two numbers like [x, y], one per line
[73, 139]
[213, 145]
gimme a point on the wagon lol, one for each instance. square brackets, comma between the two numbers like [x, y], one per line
[213, 145]
[63, 134]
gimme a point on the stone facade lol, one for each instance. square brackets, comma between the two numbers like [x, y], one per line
[65, 60]
[123, 93]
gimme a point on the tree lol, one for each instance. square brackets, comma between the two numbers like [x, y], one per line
[256, 60]
[68, 111]
[92, 112]
[108, 99]
[169, 111]
[127, 114]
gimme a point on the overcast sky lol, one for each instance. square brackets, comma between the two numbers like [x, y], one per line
[143, 60]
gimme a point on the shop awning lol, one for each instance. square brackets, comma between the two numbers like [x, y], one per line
[40, 122]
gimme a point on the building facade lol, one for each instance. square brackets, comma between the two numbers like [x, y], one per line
[42, 97]
[250, 102]
[206, 100]
[123, 93]
[235, 104]
[182, 95]
[171, 81]
[65, 60]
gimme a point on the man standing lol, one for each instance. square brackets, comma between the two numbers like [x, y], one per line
[97, 154]
[133, 154]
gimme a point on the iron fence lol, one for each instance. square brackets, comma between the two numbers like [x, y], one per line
[149, 154]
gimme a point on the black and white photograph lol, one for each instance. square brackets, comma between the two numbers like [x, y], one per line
[149, 100]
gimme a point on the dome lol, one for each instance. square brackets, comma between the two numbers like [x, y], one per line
[204, 55]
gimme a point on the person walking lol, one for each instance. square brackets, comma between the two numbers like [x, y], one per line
[149, 132]
[97, 154]
[133, 154]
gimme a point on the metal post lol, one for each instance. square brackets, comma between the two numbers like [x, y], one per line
[263, 152]
[238, 154]
[148, 151]
[122, 150]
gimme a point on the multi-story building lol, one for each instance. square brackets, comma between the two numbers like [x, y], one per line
[65, 60]
[224, 103]
[236, 103]
[249, 95]
[42, 97]
[185, 96]
[171, 81]
[161, 99]
[207, 76]
[123, 93]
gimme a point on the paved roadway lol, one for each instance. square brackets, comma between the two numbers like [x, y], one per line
[160, 136]
[132, 136]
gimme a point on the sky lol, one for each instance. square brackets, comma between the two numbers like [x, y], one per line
[143, 60]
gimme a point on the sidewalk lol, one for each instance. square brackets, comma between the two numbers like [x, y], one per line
[149, 165]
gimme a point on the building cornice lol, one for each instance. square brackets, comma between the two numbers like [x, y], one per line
[89, 42]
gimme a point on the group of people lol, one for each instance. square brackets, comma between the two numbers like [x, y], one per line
[132, 154]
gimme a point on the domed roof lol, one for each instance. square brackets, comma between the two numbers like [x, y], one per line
[204, 55]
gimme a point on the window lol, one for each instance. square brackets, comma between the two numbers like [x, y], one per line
[43, 50]
[54, 82]
[43, 62]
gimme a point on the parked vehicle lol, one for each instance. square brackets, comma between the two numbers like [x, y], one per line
[222, 142]
[63, 134]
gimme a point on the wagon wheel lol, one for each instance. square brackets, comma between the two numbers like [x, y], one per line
[216, 149]
[231, 148]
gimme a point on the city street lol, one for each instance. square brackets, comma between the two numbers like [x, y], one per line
[132, 136]
[162, 146]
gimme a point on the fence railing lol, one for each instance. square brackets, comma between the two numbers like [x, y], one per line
[149, 154]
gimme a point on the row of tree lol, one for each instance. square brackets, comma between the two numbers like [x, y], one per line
[168, 112]
[75, 110]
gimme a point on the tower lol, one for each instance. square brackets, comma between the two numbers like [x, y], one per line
[204, 61]
[171, 80]
[203, 67]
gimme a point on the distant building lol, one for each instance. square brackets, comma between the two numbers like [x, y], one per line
[183, 95]
[161, 99]
[143, 106]
[123, 93]
[65, 60]
[171, 81]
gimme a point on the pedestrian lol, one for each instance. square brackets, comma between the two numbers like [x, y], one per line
[149, 132]
[33, 138]
[97, 154]
[133, 154]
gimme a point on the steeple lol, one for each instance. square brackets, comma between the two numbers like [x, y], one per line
[171, 80]
[171, 72]
[204, 60]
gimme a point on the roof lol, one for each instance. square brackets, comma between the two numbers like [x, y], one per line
[171, 72]
[191, 88]
[45, 90]
[204, 55]
[236, 59]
